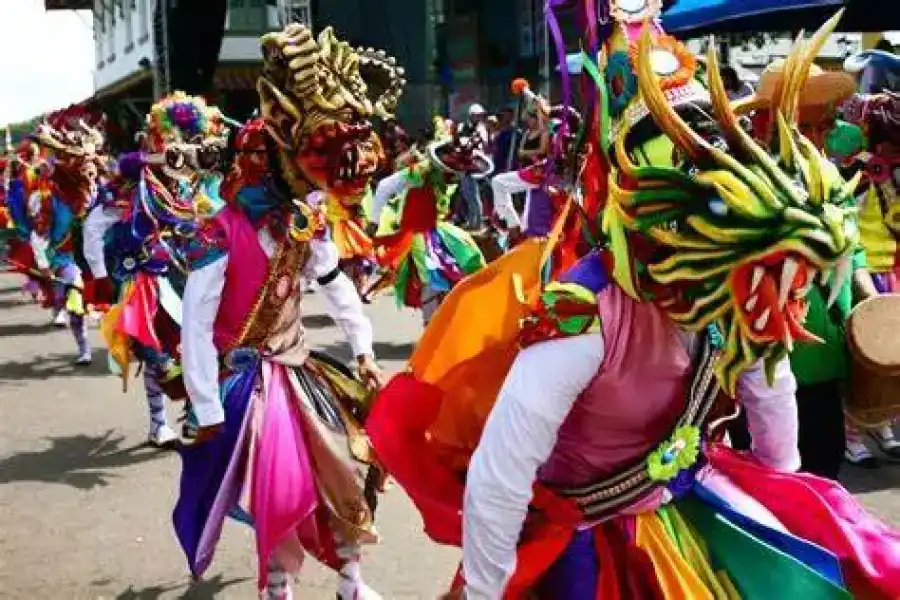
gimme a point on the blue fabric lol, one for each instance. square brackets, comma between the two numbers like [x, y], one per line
[18, 207]
[813, 556]
[575, 574]
[203, 470]
[589, 272]
[696, 14]
[257, 200]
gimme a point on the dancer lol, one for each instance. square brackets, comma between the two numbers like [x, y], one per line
[602, 423]
[280, 443]
[428, 255]
[878, 115]
[44, 203]
[144, 226]
[548, 183]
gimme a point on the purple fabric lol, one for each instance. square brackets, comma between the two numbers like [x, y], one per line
[200, 510]
[589, 272]
[540, 213]
[448, 264]
[881, 283]
[575, 574]
[131, 165]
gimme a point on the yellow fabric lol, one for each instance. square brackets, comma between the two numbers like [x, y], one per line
[116, 341]
[676, 578]
[466, 351]
[694, 552]
[875, 237]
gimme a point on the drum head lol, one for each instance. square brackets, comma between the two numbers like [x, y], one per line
[873, 333]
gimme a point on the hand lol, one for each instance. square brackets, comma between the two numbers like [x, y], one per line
[370, 373]
[205, 434]
[103, 291]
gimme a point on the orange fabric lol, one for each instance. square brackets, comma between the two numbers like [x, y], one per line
[351, 240]
[466, 351]
[392, 249]
[675, 576]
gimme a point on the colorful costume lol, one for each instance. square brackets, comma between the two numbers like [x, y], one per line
[427, 254]
[604, 422]
[45, 202]
[145, 226]
[289, 456]
[547, 186]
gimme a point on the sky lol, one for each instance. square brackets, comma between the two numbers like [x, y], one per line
[49, 59]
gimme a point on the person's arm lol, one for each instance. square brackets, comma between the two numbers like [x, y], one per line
[200, 359]
[535, 399]
[863, 286]
[98, 222]
[772, 415]
[40, 244]
[387, 188]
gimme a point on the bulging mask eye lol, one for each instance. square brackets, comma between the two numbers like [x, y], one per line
[175, 158]
[718, 207]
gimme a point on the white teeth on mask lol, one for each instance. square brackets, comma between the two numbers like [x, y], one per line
[788, 341]
[751, 303]
[763, 320]
[841, 273]
[788, 272]
[758, 273]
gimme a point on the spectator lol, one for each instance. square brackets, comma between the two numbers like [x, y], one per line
[735, 88]
[474, 126]
[504, 142]
[535, 140]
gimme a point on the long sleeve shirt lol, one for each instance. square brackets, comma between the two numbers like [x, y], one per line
[200, 305]
[540, 390]
[100, 220]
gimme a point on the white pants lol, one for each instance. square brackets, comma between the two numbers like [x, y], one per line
[504, 186]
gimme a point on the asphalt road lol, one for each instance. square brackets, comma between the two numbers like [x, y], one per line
[85, 505]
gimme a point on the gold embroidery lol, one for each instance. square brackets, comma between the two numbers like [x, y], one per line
[285, 264]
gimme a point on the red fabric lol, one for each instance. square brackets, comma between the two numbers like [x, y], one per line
[397, 425]
[21, 259]
[139, 312]
[419, 210]
[823, 512]
[626, 572]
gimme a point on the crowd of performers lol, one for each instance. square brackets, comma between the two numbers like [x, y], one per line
[568, 416]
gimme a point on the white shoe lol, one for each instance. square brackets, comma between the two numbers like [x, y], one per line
[61, 319]
[84, 359]
[162, 436]
[884, 437]
[857, 453]
[356, 590]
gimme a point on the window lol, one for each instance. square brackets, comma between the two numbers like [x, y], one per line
[143, 10]
[246, 16]
[110, 12]
[99, 33]
[128, 17]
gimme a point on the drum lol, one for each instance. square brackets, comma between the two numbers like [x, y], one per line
[873, 336]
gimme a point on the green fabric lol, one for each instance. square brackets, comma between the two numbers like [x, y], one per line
[814, 363]
[758, 570]
[461, 246]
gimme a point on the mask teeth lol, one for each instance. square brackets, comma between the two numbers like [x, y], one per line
[842, 272]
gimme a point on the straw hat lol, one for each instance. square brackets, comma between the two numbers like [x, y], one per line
[823, 88]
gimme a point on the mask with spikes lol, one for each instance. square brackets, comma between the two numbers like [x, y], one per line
[318, 96]
[720, 230]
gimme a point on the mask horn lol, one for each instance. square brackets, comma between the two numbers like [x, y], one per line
[669, 121]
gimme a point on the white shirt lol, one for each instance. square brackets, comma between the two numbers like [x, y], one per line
[200, 305]
[96, 224]
[540, 390]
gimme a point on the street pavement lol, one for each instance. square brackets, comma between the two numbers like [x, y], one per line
[85, 506]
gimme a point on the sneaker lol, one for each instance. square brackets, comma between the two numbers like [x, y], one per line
[60, 318]
[859, 455]
[356, 590]
[162, 436]
[887, 443]
[84, 359]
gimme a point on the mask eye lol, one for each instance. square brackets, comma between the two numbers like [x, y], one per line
[718, 207]
[175, 158]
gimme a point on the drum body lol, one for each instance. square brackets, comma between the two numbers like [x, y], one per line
[873, 336]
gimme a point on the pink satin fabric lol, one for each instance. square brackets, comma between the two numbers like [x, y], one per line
[283, 496]
[248, 267]
[823, 512]
[139, 312]
[612, 424]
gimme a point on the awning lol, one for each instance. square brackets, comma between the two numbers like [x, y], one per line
[695, 17]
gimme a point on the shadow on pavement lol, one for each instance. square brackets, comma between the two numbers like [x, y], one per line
[61, 363]
[17, 329]
[317, 321]
[206, 589]
[861, 481]
[383, 351]
[81, 461]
